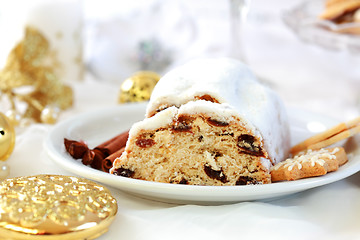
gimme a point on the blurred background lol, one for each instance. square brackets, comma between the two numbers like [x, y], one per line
[104, 42]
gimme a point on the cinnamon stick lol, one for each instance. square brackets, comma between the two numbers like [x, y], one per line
[110, 147]
[102, 156]
[107, 163]
[97, 160]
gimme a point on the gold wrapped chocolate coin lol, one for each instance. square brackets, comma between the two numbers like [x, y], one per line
[138, 87]
[54, 207]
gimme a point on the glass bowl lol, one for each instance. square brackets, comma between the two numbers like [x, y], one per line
[303, 20]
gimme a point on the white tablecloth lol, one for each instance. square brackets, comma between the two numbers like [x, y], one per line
[305, 76]
[327, 212]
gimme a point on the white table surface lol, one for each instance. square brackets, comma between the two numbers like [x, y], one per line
[305, 76]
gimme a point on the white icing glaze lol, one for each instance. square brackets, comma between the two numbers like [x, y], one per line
[335, 150]
[232, 84]
[163, 118]
[266, 163]
[312, 157]
[222, 112]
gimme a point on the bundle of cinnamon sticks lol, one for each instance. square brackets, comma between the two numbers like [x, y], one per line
[102, 156]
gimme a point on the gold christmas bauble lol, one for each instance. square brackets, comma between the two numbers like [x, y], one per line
[49, 114]
[14, 117]
[138, 87]
[7, 137]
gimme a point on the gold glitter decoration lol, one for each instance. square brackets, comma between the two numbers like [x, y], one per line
[138, 87]
[31, 64]
[54, 207]
[7, 137]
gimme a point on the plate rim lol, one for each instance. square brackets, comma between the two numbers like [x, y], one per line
[171, 192]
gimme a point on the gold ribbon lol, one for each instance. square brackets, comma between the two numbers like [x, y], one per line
[31, 63]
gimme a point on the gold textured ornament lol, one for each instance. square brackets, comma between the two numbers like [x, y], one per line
[138, 87]
[54, 207]
[49, 114]
[7, 137]
[32, 64]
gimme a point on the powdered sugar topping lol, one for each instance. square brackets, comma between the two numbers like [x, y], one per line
[236, 91]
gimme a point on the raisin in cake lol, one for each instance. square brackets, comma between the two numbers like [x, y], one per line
[208, 122]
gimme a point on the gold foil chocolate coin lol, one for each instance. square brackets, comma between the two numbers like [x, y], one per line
[54, 207]
[138, 87]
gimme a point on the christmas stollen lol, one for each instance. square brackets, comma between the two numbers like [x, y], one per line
[208, 122]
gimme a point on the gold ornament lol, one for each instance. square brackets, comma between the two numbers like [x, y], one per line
[49, 114]
[138, 87]
[31, 64]
[7, 137]
[14, 117]
[54, 207]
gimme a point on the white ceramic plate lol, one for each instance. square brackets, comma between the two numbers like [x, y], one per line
[96, 127]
